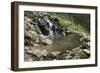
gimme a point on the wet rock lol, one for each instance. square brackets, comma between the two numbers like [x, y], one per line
[26, 47]
[28, 34]
[84, 37]
[35, 45]
[40, 53]
[76, 56]
[33, 33]
[27, 23]
[82, 34]
[55, 53]
[37, 52]
[50, 57]
[68, 57]
[83, 55]
[86, 45]
[29, 51]
[46, 42]
[42, 58]
[42, 37]
[35, 58]
[27, 19]
[44, 52]
[62, 56]
[27, 42]
[37, 41]
[87, 51]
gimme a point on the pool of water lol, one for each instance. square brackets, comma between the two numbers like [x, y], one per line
[62, 43]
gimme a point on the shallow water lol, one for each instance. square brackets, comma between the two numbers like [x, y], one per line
[62, 43]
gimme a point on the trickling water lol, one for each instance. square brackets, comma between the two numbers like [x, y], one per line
[51, 34]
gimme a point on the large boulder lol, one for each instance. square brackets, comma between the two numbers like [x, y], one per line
[46, 42]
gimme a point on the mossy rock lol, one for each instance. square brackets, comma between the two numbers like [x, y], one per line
[83, 55]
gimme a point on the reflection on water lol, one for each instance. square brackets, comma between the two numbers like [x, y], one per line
[61, 43]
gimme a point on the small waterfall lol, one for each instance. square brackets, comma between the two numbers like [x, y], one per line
[51, 34]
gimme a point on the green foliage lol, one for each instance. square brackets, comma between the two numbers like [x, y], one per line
[74, 22]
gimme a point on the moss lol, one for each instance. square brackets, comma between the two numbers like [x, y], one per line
[83, 55]
[68, 21]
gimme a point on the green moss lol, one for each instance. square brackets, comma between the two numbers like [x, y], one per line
[83, 55]
[67, 21]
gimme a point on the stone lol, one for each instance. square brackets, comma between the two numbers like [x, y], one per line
[44, 52]
[35, 45]
[50, 57]
[42, 37]
[28, 34]
[83, 55]
[27, 19]
[37, 52]
[28, 58]
[33, 33]
[26, 47]
[47, 42]
[68, 56]
[86, 45]
[55, 53]
[29, 51]
[87, 51]
[37, 41]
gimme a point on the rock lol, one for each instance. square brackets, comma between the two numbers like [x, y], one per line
[47, 42]
[27, 42]
[42, 37]
[50, 57]
[87, 51]
[44, 52]
[82, 34]
[37, 41]
[37, 52]
[83, 55]
[35, 45]
[35, 58]
[68, 56]
[84, 37]
[62, 55]
[27, 23]
[33, 33]
[27, 19]
[42, 58]
[28, 58]
[86, 45]
[29, 51]
[26, 47]
[28, 34]
[55, 53]
[68, 31]
[76, 56]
